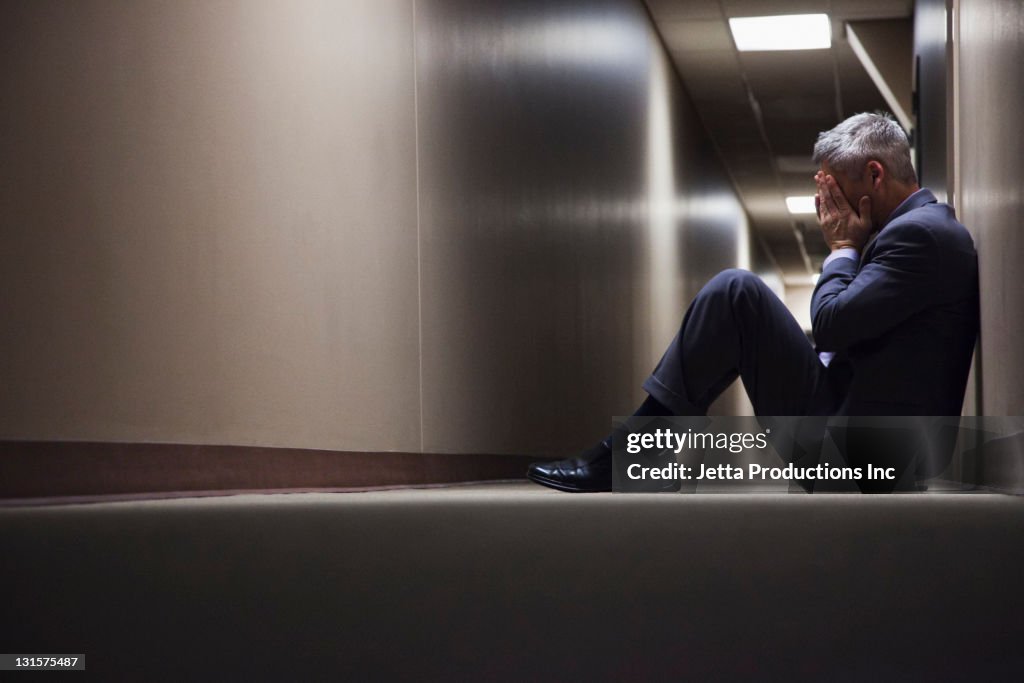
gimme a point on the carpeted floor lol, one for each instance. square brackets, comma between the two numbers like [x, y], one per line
[516, 582]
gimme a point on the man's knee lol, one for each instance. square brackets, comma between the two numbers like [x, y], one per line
[732, 281]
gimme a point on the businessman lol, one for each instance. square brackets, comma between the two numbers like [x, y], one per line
[894, 313]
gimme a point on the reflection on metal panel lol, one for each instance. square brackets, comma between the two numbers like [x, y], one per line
[570, 206]
[991, 201]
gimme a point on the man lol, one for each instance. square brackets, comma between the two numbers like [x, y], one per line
[894, 313]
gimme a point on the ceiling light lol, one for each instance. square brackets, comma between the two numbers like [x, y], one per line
[801, 204]
[787, 32]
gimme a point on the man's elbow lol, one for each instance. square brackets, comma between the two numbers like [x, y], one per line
[826, 333]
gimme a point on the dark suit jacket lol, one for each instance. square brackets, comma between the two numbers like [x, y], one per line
[904, 319]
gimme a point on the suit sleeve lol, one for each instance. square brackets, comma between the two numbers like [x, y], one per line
[902, 278]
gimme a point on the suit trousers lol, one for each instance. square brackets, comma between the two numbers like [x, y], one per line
[736, 326]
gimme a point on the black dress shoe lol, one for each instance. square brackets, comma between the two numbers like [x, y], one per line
[590, 472]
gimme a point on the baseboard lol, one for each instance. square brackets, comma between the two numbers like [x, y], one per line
[71, 469]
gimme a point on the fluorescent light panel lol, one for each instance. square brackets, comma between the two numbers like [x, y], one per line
[785, 32]
[798, 205]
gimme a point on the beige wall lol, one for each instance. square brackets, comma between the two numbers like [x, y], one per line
[209, 220]
[990, 99]
[352, 225]
[798, 301]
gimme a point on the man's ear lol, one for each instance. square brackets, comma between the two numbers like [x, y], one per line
[876, 172]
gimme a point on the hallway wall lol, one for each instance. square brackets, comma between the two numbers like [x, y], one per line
[570, 205]
[990, 99]
[209, 219]
[376, 226]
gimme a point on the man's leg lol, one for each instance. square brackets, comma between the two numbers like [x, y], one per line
[735, 326]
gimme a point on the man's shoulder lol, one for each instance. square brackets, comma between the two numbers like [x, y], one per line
[934, 222]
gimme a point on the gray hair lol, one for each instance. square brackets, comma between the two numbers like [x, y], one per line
[866, 137]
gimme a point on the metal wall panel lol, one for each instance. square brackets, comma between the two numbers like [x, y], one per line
[990, 102]
[570, 206]
[932, 46]
[219, 227]
[209, 223]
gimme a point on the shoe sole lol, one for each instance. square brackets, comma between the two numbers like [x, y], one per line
[561, 486]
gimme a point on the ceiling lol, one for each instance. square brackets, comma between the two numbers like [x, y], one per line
[764, 110]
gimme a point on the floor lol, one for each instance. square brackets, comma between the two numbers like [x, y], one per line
[511, 581]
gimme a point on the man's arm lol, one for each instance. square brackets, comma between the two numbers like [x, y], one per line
[850, 306]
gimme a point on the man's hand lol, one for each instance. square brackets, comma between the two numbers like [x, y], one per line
[841, 226]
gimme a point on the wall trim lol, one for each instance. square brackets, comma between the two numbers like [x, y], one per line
[56, 470]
